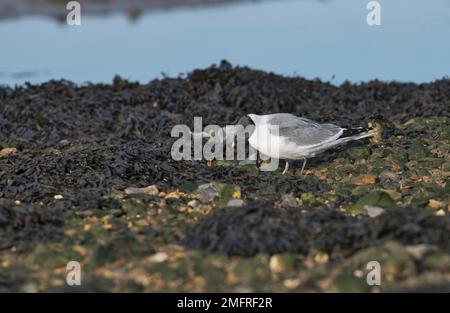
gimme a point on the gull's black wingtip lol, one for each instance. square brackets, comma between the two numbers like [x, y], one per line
[350, 132]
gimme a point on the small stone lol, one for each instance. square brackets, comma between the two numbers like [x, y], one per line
[150, 190]
[158, 257]
[172, 195]
[396, 196]
[292, 283]
[373, 198]
[367, 179]
[373, 211]
[7, 151]
[435, 204]
[309, 198]
[193, 203]
[321, 258]
[280, 263]
[70, 232]
[358, 273]
[357, 153]
[235, 203]
[440, 213]
[288, 200]
[207, 192]
[418, 251]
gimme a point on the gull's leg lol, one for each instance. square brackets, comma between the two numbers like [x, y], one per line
[303, 166]
[285, 168]
[258, 161]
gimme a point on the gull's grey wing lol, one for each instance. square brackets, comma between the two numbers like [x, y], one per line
[302, 131]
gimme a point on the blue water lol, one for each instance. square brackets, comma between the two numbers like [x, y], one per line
[328, 40]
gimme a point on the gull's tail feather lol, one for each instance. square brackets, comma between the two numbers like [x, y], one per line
[360, 135]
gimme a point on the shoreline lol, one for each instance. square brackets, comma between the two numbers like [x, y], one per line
[17, 8]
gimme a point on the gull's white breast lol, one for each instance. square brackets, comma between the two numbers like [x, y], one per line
[265, 140]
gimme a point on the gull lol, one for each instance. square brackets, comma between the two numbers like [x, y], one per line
[289, 137]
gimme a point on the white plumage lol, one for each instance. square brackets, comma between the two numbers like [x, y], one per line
[286, 136]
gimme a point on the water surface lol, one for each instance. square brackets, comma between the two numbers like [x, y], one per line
[315, 39]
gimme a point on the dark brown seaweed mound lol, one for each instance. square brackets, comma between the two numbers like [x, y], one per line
[260, 228]
[23, 222]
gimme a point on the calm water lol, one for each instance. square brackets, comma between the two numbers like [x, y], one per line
[329, 40]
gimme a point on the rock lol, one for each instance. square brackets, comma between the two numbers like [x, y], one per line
[373, 211]
[309, 198]
[367, 179]
[158, 257]
[193, 203]
[357, 153]
[435, 204]
[292, 283]
[207, 192]
[7, 151]
[396, 196]
[373, 198]
[288, 200]
[418, 251]
[172, 195]
[281, 263]
[235, 203]
[150, 190]
[440, 213]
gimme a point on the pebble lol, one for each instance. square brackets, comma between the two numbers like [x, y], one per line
[207, 192]
[150, 190]
[235, 203]
[435, 204]
[373, 211]
[418, 251]
[288, 200]
[158, 257]
[280, 263]
[7, 151]
[193, 203]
